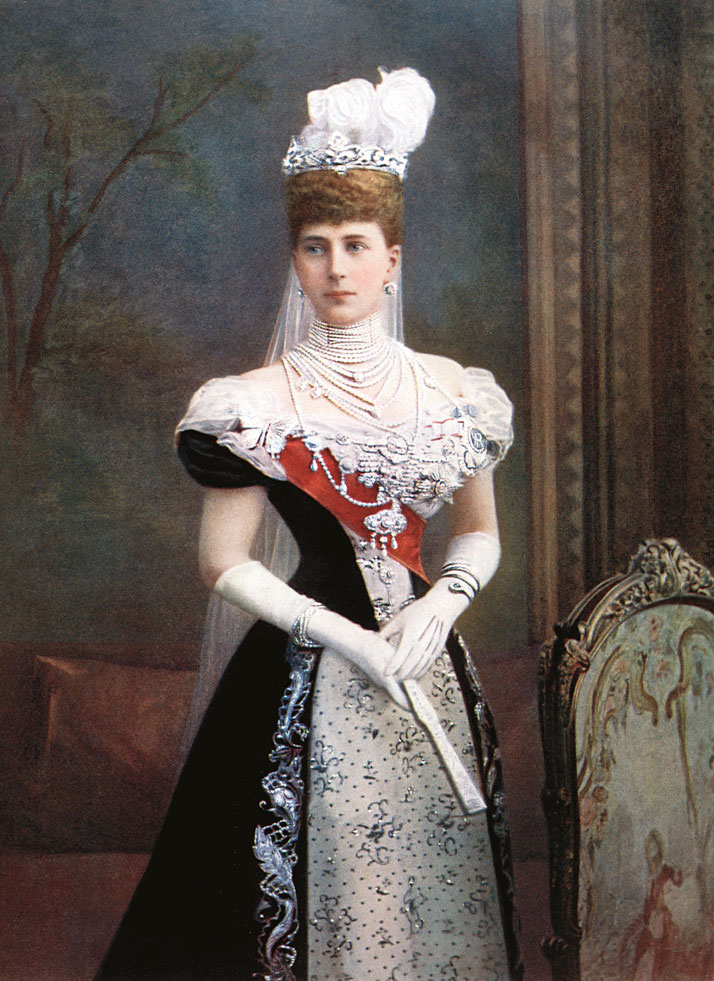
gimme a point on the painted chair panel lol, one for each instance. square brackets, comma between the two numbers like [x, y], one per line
[627, 715]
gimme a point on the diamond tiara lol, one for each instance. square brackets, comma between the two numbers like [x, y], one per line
[356, 125]
[340, 155]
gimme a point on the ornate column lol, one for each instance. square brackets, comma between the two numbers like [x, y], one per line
[552, 242]
[617, 143]
[698, 124]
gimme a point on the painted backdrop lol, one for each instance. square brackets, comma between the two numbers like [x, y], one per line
[143, 250]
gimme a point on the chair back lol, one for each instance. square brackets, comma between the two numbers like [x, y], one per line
[627, 721]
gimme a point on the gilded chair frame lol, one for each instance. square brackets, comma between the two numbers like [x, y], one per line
[660, 572]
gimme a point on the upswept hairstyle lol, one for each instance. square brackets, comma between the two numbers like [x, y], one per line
[324, 196]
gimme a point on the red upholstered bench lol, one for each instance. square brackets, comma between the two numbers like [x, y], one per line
[104, 756]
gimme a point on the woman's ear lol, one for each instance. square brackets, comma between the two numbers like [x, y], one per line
[395, 255]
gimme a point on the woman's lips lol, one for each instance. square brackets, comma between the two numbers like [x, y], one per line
[338, 294]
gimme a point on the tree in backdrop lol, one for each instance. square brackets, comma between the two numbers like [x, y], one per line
[73, 145]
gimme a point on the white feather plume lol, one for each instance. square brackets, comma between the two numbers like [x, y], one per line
[394, 115]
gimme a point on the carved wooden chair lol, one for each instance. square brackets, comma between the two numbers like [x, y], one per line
[627, 721]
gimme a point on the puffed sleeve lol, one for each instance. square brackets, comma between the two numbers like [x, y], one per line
[490, 411]
[226, 437]
[213, 465]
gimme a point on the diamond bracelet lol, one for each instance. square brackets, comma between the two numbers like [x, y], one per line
[299, 634]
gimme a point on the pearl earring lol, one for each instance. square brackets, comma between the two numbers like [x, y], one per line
[390, 288]
[301, 292]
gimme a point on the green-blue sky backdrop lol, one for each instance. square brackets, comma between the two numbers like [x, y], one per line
[179, 273]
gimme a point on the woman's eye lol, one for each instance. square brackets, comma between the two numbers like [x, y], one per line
[314, 250]
[355, 247]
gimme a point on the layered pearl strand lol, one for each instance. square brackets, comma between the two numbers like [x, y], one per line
[336, 363]
[339, 363]
[339, 348]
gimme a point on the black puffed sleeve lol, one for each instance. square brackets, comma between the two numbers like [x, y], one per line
[213, 465]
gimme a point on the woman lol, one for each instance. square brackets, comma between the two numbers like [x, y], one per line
[320, 828]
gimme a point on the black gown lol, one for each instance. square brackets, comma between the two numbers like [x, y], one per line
[193, 916]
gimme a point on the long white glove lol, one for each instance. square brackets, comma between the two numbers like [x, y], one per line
[419, 631]
[255, 589]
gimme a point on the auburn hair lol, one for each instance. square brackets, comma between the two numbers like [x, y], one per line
[324, 196]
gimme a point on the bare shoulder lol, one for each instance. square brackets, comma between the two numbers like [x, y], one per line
[266, 375]
[445, 370]
[269, 377]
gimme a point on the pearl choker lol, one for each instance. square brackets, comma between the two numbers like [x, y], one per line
[341, 363]
[360, 342]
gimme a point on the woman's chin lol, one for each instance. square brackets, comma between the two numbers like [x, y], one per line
[343, 313]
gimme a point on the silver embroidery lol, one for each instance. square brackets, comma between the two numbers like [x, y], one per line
[410, 764]
[449, 971]
[369, 771]
[446, 817]
[408, 738]
[385, 937]
[443, 853]
[447, 877]
[407, 748]
[413, 899]
[478, 899]
[335, 922]
[445, 686]
[358, 698]
[378, 570]
[275, 843]
[324, 764]
[375, 847]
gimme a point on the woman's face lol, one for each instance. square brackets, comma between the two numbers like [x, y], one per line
[343, 269]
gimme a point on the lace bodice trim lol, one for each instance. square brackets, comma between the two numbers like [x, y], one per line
[458, 438]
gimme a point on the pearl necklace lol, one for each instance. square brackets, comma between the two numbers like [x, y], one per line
[363, 341]
[326, 366]
[387, 524]
[357, 411]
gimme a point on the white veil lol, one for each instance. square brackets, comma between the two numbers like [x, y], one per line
[226, 625]
[352, 125]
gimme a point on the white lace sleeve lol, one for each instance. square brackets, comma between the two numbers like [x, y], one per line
[230, 409]
[490, 408]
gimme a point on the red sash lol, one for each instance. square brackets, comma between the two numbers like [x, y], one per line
[296, 458]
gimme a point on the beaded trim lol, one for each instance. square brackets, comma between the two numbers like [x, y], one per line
[340, 155]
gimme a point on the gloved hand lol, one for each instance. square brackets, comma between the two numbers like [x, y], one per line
[419, 631]
[255, 589]
[369, 651]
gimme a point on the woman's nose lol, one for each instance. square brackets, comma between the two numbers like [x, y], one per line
[336, 267]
